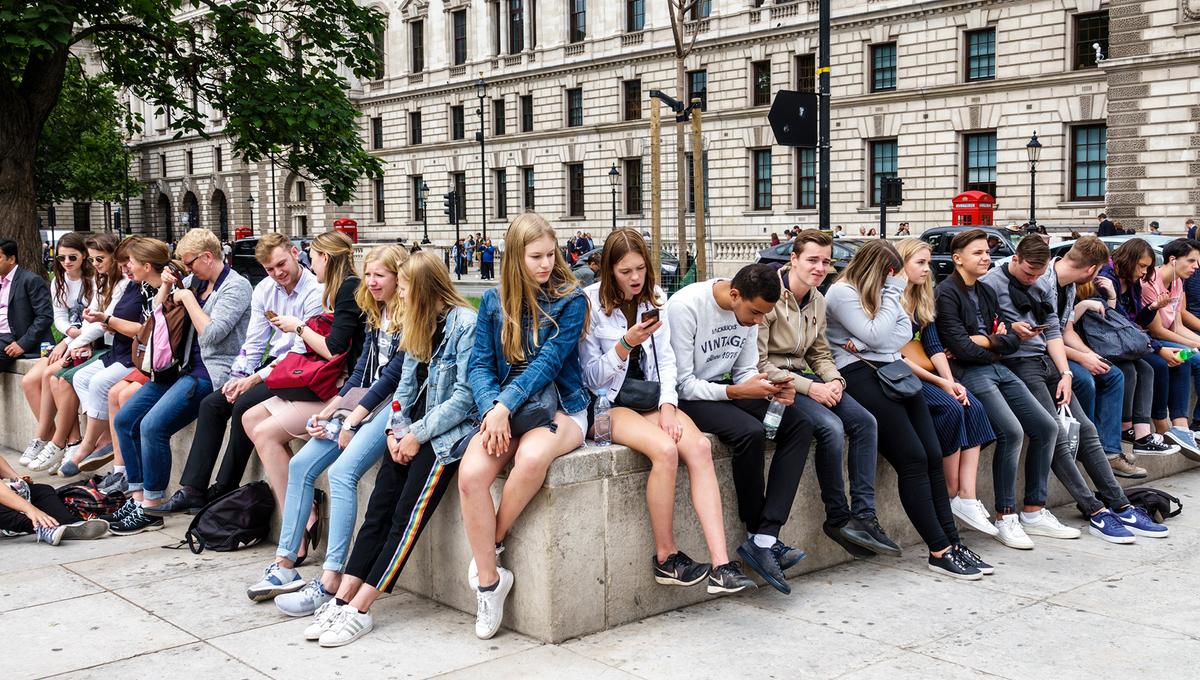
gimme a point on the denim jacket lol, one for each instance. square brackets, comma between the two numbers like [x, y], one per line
[449, 410]
[556, 360]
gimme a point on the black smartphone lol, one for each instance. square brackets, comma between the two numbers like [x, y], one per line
[650, 315]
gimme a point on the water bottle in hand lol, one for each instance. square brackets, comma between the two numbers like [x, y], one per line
[602, 428]
[773, 418]
[398, 423]
[333, 427]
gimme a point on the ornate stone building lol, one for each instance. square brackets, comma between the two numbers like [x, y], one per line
[943, 93]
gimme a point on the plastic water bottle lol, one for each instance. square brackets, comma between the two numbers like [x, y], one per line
[602, 428]
[1185, 354]
[333, 427]
[398, 423]
[772, 419]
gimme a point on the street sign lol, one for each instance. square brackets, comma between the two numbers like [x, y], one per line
[793, 118]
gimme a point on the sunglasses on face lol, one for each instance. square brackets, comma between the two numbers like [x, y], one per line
[97, 260]
[67, 258]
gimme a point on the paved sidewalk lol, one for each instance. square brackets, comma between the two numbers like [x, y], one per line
[127, 608]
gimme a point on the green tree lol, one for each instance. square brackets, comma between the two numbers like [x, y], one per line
[276, 69]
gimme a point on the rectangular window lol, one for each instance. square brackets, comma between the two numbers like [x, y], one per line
[414, 127]
[499, 123]
[460, 188]
[575, 189]
[191, 167]
[377, 132]
[698, 88]
[883, 67]
[883, 164]
[162, 163]
[578, 20]
[379, 212]
[691, 184]
[418, 206]
[574, 107]
[460, 36]
[1089, 162]
[633, 99]
[379, 41]
[516, 26]
[806, 179]
[635, 15]
[701, 9]
[633, 186]
[527, 113]
[218, 158]
[416, 38]
[1090, 29]
[979, 163]
[806, 73]
[760, 82]
[501, 194]
[762, 178]
[458, 125]
[527, 188]
[301, 191]
[83, 216]
[981, 54]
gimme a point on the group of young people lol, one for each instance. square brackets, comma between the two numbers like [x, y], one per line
[442, 394]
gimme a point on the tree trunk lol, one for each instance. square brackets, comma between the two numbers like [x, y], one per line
[681, 171]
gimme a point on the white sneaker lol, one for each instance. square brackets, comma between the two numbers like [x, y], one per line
[322, 619]
[31, 452]
[1010, 533]
[973, 514]
[490, 611]
[1048, 525]
[349, 626]
[50, 456]
[473, 571]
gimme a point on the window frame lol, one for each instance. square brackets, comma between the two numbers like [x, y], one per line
[635, 16]
[458, 122]
[761, 200]
[1101, 163]
[458, 41]
[693, 92]
[376, 132]
[516, 26]
[968, 56]
[418, 210]
[759, 70]
[414, 128]
[876, 69]
[810, 80]
[576, 21]
[576, 191]
[874, 195]
[416, 48]
[631, 107]
[526, 113]
[968, 167]
[528, 193]
[574, 108]
[378, 195]
[633, 190]
[806, 184]
[1083, 47]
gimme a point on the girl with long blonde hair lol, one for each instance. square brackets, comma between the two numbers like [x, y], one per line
[959, 418]
[528, 385]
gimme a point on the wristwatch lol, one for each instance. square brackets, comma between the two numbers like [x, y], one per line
[351, 428]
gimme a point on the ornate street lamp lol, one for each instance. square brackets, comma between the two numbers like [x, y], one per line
[1034, 151]
[425, 211]
[614, 177]
[481, 93]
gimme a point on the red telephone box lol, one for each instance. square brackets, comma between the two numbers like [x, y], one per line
[348, 227]
[242, 232]
[973, 208]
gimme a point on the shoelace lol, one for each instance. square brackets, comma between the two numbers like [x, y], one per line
[484, 605]
[966, 552]
[45, 534]
[313, 589]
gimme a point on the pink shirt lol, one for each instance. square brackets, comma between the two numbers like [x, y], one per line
[5, 294]
[1154, 288]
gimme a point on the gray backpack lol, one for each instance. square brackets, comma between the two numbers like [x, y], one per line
[1113, 336]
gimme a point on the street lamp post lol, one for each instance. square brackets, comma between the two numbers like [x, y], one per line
[481, 92]
[425, 211]
[251, 202]
[614, 176]
[125, 197]
[1034, 150]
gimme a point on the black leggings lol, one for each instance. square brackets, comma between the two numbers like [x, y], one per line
[909, 442]
[1139, 391]
[44, 498]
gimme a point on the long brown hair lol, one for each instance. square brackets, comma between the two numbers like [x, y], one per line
[105, 281]
[148, 251]
[421, 311]
[518, 288]
[87, 274]
[917, 299]
[868, 269]
[619, 244]
[392, 258]
[340, 250]
[1126, 257]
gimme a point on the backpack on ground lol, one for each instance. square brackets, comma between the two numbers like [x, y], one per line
[1156, 503]
[238, 519]
[86, 501]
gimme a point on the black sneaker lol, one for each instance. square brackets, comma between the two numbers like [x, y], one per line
[136, 522]
[834, 532]
[181, 501]
[1153, 445]
[763, 561]
[786, 555]
[867, 533]
[680, 570]
[129, 506]
[1128, 436]
[952, 565]
[970, 557]
[728, 578]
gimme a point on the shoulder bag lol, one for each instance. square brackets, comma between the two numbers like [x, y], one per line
[641, 395]
[896, 378]
[308, 376]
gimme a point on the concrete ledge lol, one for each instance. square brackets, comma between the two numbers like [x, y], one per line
[581, 552]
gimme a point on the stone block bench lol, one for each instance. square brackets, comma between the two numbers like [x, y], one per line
[582, 550]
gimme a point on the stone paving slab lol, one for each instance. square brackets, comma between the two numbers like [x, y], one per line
[197, 660]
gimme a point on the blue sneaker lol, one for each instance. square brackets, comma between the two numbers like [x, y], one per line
[276, 580]
[1107, 526]
[1139, 523]
[764, 563]
[786, 555]
[305, 601]
[1183, 438]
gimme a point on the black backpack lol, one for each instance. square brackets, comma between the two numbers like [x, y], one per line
[1157, 504]
[239, 519]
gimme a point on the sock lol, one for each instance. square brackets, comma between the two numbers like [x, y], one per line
[340, 602]
[489, 589]
[360, 611]
[1031, 516]
[764, 540]
[119, 468]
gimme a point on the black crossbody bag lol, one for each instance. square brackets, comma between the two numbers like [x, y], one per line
[641, 395]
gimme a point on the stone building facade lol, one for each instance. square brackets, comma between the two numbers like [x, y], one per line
[943, 93]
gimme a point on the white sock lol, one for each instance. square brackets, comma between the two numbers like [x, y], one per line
[119, 468]
[764, 540]
[1031, 516]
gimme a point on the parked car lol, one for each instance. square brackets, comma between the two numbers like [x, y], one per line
[843, 250]
[939, 239]
[246, 264]
[1156, 241]
[668, 266]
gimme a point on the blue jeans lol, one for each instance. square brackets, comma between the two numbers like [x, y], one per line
[1180, 395]
[1014, 413]
[1102, 398]
[144, 426]
[366, 448]
[831, 426]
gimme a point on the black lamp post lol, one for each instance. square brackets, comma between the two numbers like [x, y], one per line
[614, 176]
[481, 93]
[251, 202]
[1034, 150]
[125, 197]
[425, 211]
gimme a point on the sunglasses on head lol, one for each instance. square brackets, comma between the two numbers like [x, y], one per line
[67, 258]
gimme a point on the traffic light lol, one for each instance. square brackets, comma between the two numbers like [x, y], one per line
[450, 206]
[891, 191]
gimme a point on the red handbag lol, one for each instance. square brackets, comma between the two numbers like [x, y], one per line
[308, 376]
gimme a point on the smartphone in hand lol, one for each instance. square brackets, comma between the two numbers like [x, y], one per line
[650, 315]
